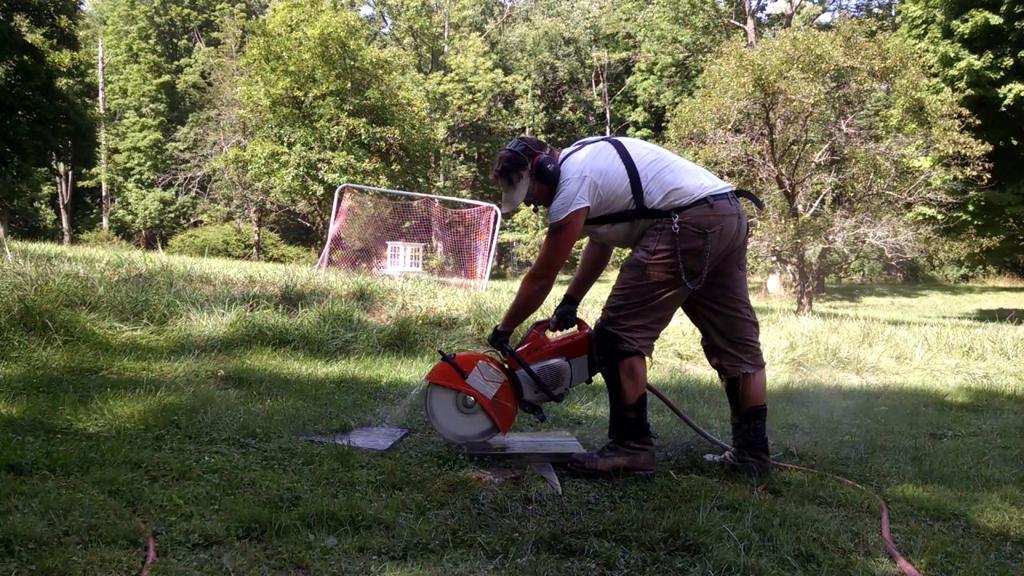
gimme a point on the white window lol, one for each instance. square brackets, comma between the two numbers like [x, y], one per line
[405, 257]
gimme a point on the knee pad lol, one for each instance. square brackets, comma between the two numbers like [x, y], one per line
[623, 421]
[608, 350]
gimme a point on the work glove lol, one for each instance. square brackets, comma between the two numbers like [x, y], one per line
[499, 339]
[565, 314]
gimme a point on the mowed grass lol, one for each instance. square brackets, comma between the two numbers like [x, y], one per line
[172, 391]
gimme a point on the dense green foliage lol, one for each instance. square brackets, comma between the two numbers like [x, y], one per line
[173, 391]
[977, 48]
[231, 241]
[326, 106]
[253, 112]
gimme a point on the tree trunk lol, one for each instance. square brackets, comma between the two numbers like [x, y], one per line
[529, 100]
[607, 104]
[3, 233]
[790, 11]
[65, 193]
[750, 25]
[447, 23]
[104, 190]
[256, 215]
[819, 283]
[821, 270]
[804, 287]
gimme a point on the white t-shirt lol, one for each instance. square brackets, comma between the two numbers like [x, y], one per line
[595, 177]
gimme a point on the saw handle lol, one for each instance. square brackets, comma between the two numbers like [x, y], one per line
[449, 359]
[542, 327]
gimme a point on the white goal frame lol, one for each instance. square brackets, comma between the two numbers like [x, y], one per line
[334, 213]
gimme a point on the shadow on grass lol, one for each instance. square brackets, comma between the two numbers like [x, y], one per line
[995, 316]
[1007, 315]
[857, 315]
[857, 292]
[225, 476]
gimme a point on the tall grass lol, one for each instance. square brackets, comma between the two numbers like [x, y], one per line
[96, 296]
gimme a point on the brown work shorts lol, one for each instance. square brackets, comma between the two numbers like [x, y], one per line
[698, 263]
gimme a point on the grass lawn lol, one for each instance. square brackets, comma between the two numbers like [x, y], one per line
[172, 391]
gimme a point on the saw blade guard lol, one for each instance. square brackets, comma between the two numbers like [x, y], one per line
[485, 379]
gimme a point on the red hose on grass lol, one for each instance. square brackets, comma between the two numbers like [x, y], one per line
[150, 550]
[890, 545]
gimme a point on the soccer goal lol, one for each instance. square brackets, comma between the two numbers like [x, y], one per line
[394, 232]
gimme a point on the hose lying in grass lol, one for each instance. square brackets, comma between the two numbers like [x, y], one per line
[150, 549]
[890, 545]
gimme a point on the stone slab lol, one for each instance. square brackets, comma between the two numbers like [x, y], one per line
[534, 446]
[377, 439]
[547, 471]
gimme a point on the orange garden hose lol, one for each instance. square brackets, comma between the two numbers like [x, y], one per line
[150, 550]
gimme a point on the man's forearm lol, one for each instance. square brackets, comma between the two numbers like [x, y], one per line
[538, 281]
[532, 292]
[592, 263]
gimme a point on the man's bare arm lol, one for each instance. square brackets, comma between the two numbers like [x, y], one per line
[537, 283]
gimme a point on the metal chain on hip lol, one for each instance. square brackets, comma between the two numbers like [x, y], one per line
[679, 257]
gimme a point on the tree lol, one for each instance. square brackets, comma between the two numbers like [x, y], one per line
[37, 112]
[567, 68]
[141, 94]
[328, 106]
[211, 146]
[453, 48]
[976, 48]
[469, 101]
[104, 150]
[153, 85]
[670, 41]
[74, 152]
[851, 143]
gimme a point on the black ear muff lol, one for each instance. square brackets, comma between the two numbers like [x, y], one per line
[543, 166]
[545, 169]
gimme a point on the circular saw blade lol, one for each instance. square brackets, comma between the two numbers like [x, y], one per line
[457, 416]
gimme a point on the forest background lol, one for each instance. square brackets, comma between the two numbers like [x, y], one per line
[887, 137]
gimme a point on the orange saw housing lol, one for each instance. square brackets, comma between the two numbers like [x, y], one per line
[540, 369]
[487, 380]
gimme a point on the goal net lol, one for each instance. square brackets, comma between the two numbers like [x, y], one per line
[394, 232]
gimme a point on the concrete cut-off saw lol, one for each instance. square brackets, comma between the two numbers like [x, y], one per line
[472, 396]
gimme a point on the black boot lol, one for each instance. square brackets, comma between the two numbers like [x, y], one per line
[749, 452]
[750, 442]
[634, 420]
[732, 393]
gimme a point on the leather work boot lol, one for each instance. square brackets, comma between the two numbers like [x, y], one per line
[749, 454]
[616, 458]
